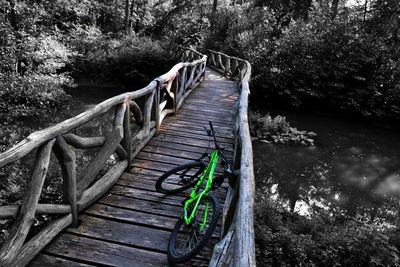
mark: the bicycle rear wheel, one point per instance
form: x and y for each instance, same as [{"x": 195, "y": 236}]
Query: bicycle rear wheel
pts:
[
  {"x": 180, "y": 178},
  {"x": 187, "y": 240}
]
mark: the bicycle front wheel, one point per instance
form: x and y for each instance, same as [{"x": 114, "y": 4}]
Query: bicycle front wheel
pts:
[
  {"x": 187, "y": 240},
  {"x": 180, "y": 178}
]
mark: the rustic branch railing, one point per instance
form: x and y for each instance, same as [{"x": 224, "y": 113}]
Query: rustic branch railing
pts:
[
  {"x": 237, "y": 246},
  {"x": 162, "y": 96}
]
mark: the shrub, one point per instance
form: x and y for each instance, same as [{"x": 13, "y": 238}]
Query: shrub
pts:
[
  {"x": 119, "y": 58},
  {"x": 289, "y": 239},
  {"x": 346, "y": 63}
]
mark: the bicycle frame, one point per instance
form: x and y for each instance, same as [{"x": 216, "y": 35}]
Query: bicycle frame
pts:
[{"x": 195, "y": 196}]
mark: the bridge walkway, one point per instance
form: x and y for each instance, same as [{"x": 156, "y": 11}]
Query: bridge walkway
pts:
[{"x": 131, "y": 224}]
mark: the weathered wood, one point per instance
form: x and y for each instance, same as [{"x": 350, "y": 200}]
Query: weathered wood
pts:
[
  {"x": 67, "y": 160},
  {"x": 102, "y": 185},
  {"x": 157, "y": 107},
  {"x": 229, "y": 209},
  {"x": 102, "y": 253},
  {"x": 175, "y": 89},
  {"x": 84, "y": 142},
  {"x": 35, "y": 139},
  {"x": 223, "y": 250},
  {"x": 97, "y": 163},
  {"x": 244, "y": 250},
  {"x": 227, "y": 66},
  {"x": 147, "y": 111},
  {"x": 109, "y": 254},
  {"x": 138, "y": 204},
  {"x": 142, "y": 143},
  {"x": 39, "y": 241},
  {"x": 245, "y": 246},
  {"x": 183, "y": 81},
  {"x": 130, "y": 147},
  {"x": 20, "y": 230},
  {"x": 137, "y": 113},
  {"x": 7, "y": 212},
  {"x": 47, "y": 260},
  {"x": 91, "y": 142},
  {"x": 127, "y": 139},
  {"x": 127, "y": 234}
]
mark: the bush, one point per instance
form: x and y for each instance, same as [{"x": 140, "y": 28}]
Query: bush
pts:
[
  {"x": 289, "y": 239},
  {"x": 121, "y": 58},
  {"x": 36, "y": 85},
  {"x": 346, "y": 63}
]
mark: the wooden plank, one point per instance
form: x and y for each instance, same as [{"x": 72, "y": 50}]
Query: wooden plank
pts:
[
  {"x": 142, "y": 218},
  {"x": 133, "y": 203},
  {"x": 220, "y": 130},
  {"x": 178, "y": 153},
  {"x": 47, "y": 260},
  {"x": 183, "y": 147},
  {"x": 128, "y": 234},
  {"x": 189, "y": 156},
  {"x": 186, "y": 141},
  {"x": 148, "y": 185},
  {"x": 103, "y": 253},
  {"x": 160, "y": 167},
  {"x": 150, "y": 179},
  {"x": 220, "y": 140},
  {"x": 200, "y": 119},
  {"x": 131, "y": 216}
]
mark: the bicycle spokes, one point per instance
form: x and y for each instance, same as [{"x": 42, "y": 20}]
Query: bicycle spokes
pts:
[{"x": 190, "y": 235}]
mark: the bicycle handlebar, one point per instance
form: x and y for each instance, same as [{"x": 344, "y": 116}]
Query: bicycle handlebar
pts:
[{"x": 224, "y": 160}]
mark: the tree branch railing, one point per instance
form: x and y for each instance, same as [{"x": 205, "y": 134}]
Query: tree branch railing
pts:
[
  {"x": 237, "y": 247},
  {"x": 164, "y": 95}
]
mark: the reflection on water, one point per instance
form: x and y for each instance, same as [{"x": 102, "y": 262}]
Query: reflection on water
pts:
[{"x": 354, "y": 169}]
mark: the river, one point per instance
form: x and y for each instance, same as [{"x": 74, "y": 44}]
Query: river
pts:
[{"x": 354, "y": 168}]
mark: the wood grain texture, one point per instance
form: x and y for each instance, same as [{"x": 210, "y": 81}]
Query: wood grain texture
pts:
[
  {"x": 130, "y": 225},
  {"x": 19, "y": 232},
  {"x": 132, "y": 216},
  {"x": 66, "y": 158},
  {"x": 244, "y": 248}
]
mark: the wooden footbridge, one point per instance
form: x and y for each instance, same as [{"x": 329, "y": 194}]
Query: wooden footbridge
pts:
[{"x": 112, "y": 215}]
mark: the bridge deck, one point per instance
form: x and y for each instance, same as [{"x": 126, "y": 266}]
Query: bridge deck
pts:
[{"x": 131, "y": 225}]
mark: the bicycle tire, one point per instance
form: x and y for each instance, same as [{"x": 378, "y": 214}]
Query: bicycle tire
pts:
[
  {"x": 165, "y": 184},
  {"x": 177, "y": 257}
]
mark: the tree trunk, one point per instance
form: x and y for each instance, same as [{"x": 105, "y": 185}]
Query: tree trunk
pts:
[
  {"x": 127, "y": 28},
  {"x": 334, "y": 9},
  {"x": 215, "y": 6},
  {"x": 365, "y": 9}
]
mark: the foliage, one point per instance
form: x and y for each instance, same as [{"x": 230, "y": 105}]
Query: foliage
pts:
[
  {"x": 118, "y": 59},
  {"x": 277, "y": 130},
  {"x": 288, "y": 239},
  {"x": 344, "y": 61}
]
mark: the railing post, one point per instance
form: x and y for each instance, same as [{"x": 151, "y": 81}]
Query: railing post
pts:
[
  {"x": 227, "y": 67},
  {"x": 66, "y": 158},
  {"x": 127, "y": 139},
  {"x": 157, "y": 106},
  {"x": 175, "y": 91}
]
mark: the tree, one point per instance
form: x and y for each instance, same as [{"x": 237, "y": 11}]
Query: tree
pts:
[{"x": 334, "y": 8}]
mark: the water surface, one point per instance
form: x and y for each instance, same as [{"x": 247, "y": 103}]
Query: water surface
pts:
[{"x": 354, "y": 168}]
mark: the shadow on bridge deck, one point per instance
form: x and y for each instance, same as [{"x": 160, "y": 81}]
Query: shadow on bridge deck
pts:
[{"x": 131, "y": 224}]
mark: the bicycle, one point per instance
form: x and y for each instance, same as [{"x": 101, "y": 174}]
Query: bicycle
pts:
[{"x": 200, "y": 208}]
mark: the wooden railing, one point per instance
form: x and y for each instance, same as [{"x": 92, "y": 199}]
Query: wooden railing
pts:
[
  {"x": 237, "y": 246},
  {"x": 162, "y": 96}
]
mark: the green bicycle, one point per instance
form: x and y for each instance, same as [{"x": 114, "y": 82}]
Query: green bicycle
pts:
[{"x": 200, "y": 209}]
